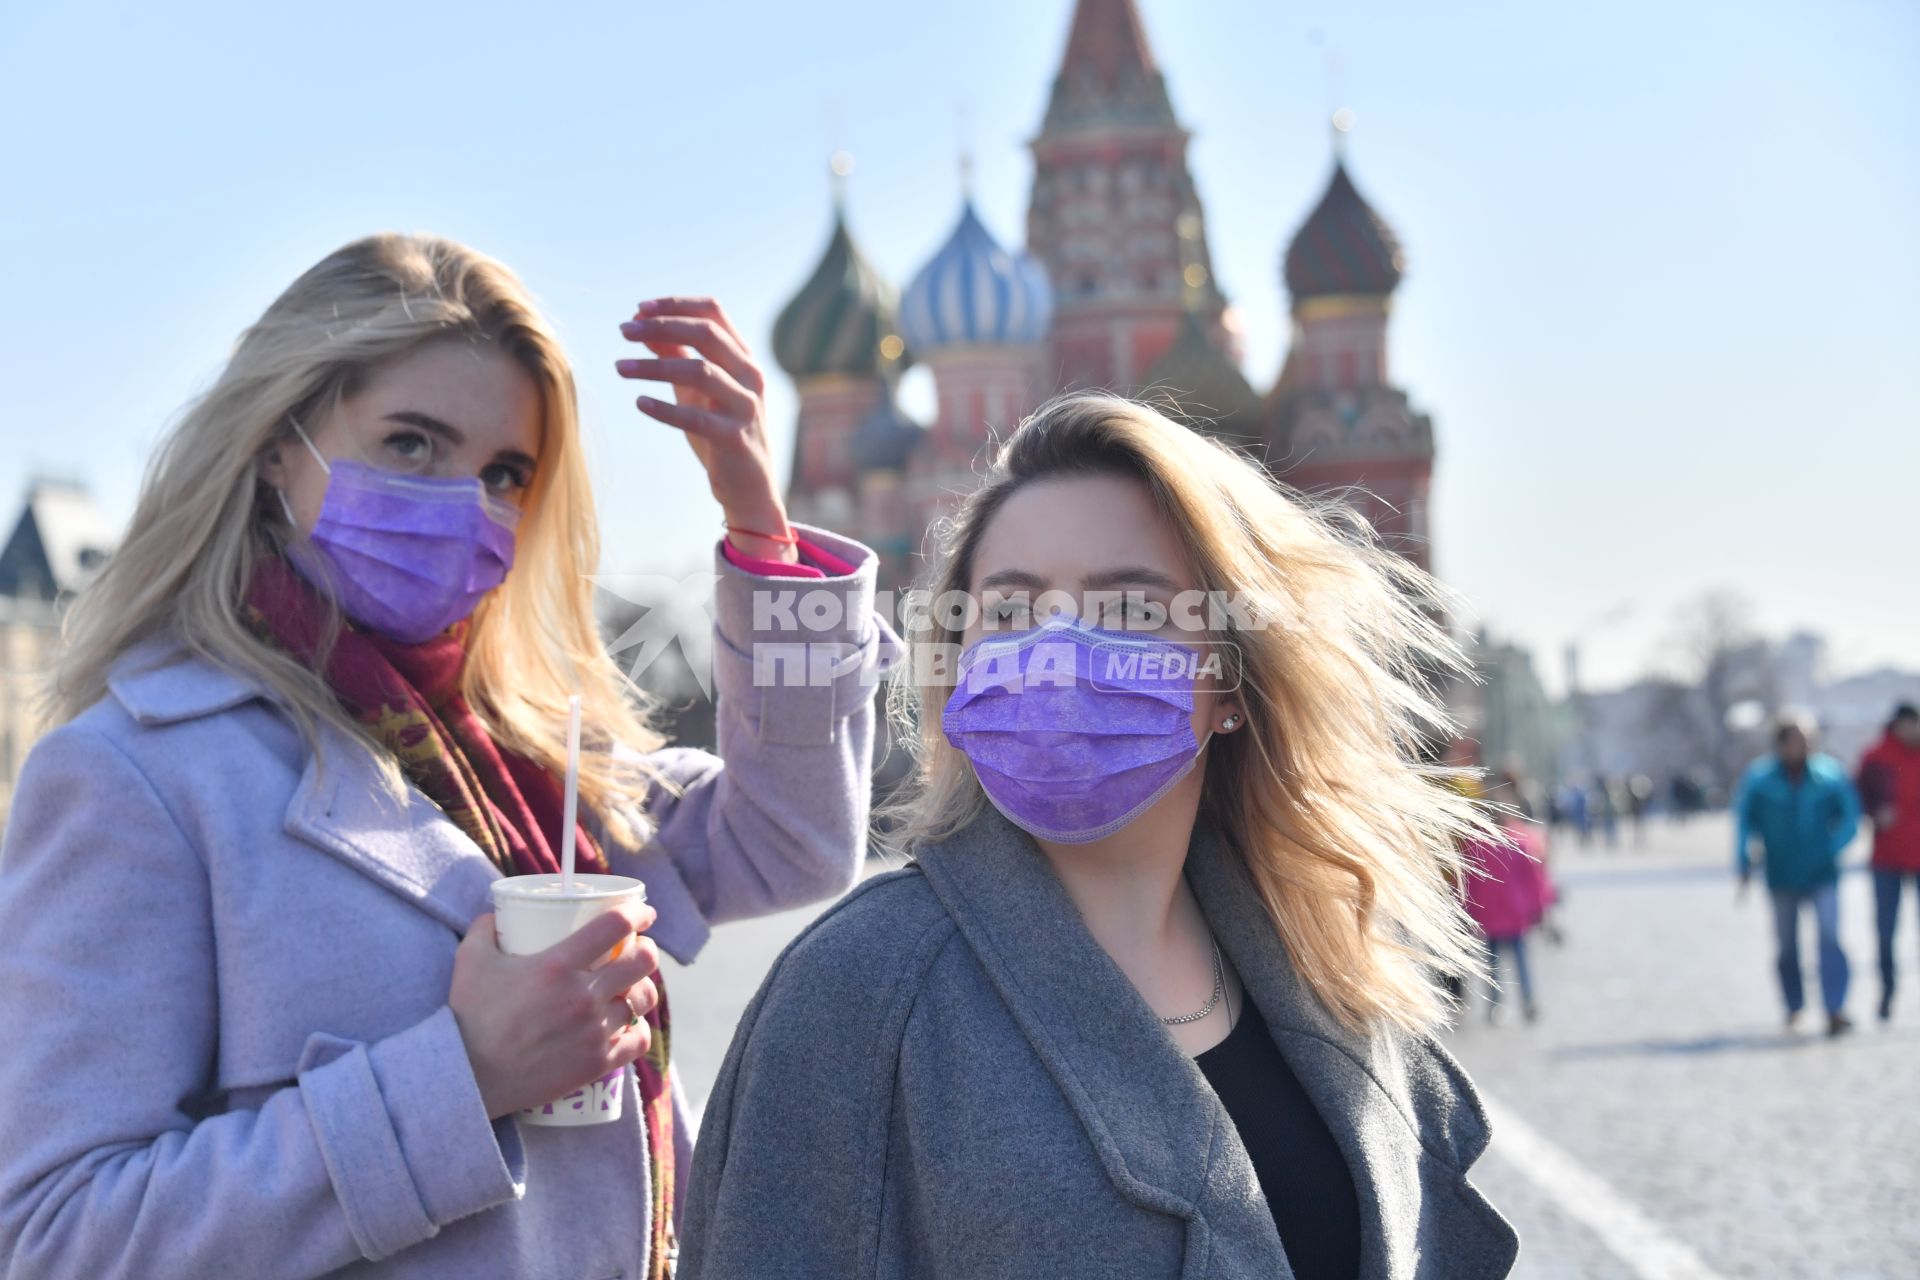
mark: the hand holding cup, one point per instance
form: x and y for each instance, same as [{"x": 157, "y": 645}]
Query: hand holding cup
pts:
[{"x": 538, "y": 1027}]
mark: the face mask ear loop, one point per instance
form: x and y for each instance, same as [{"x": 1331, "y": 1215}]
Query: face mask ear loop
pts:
[
  {"x": 288, "y": 508},
  {"x": 301, "y": 432}
]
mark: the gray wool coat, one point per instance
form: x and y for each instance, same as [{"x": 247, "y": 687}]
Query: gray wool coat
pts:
[{"x": 947, "y": 1076}]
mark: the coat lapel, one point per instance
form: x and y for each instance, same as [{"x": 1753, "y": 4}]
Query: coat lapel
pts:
[
  {"x": 404, "y": 843},
  {"x": 1378, "y": 1094}
]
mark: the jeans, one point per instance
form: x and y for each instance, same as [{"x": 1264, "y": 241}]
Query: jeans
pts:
[
  {"x": 1825, "y": 901},
  {"x": 1886, "y": 918},
  {"x": 1518, "y": 948}
]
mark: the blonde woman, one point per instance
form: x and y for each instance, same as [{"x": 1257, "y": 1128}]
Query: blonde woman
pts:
[
  {"x": 1156, "y": 996},
  {"x": 256, "y": 1019}
]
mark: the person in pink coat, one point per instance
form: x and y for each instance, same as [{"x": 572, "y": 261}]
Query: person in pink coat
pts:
[{"x": 1509, "y": 892}]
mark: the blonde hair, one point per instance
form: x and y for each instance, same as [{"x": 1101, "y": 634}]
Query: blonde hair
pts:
[
  {"x": 205, "y": 518},
  {"x": 1351, "y": 840}
]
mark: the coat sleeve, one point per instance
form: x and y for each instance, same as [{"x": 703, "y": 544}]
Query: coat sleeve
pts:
[
  {"x": 790, "y": 1174},
  {"x": 779, "y": 818},
  {"x": 116, "y": 1159},
  {"x": 1743, "y": 823}
]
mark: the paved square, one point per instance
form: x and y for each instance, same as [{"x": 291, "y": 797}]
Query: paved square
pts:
[{"x": 1671, "y": 1127}]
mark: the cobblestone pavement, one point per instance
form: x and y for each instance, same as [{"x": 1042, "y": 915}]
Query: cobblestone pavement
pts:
[
  {"x": 1661, "y": 1067},
  {"x": 1669, "y": 1127}
]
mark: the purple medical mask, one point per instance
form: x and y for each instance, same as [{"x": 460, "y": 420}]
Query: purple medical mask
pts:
[
  {"x": 1074, "y": 731},
  {"x": 406, "y": 556}
]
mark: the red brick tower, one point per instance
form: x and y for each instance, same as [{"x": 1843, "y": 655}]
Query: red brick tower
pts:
[{"x": 1110, "y": 189}]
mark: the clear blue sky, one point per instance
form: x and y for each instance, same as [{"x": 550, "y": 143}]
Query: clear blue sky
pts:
[{"x": 1663, "y": 298}]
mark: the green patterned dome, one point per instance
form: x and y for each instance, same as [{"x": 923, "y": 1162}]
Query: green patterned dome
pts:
[{"x": 842, "y": 320}]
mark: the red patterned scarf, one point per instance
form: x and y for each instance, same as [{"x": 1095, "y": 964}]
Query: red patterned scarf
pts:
[{"x": 508, "y": 805}]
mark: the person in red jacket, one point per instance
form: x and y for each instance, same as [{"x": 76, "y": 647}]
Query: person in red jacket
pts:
[{"x": 1890, "y": 793}]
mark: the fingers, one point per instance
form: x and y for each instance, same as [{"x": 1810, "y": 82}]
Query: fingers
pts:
[
  {"x": 481, "y": 933},
  {"x": 699, "y": 308},
  {"x": 641, "y": 962},
  {"x": 618, "y": 1012},
  {"x": 692, "y": 419},
  {"x": 584, "y": 947},
  {"x": 704, "y": 336},
  {"x": 630, "y": 1044},
  {"x": 695, "y": 375}
]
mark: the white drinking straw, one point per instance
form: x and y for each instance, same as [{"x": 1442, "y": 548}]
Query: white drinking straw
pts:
[{"x": 573, "y": 793}]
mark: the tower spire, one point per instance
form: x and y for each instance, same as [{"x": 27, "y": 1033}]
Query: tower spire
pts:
[
  {"x": 839, "y": 159},
  {"x": 839, "y": 166},
  {"x": 1114, "y": 214},
  {"x": 966, "y": 151},
  {"x": 1107, "y": 75},
  {"x": 1343, "y": 122}
]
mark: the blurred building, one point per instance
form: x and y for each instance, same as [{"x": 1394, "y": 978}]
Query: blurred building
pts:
[
  {"x": 58, "y": 541},
  {"x": 1115, "y": 290},
  {"x": 1517, "y": 725}
]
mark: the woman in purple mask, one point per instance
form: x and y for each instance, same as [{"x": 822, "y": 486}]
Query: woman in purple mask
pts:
[
  {"x": 255, "y": 1016},
  {"x": 1156, "y": 996}
]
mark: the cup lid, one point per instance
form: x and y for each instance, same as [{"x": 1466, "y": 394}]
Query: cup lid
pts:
[{"x": 587, "y": 887}]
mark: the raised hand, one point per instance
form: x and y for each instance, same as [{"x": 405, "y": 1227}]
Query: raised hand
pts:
[{"x": 719, "y": 404}]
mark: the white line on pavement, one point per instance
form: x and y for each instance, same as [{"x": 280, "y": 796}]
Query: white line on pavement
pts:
[{"x": 1633, "y": 1237}]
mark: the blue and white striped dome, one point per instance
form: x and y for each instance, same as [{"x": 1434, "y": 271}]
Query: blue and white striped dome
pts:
[{"x": 974, "y": 292}]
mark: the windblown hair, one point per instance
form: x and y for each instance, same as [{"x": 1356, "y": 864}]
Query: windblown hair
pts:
[
  {"x": 1350, "y": 834},
  {"x": 205, "y": 518}
]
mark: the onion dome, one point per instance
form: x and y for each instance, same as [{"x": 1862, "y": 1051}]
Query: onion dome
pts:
[
  {"x": 842, "y": 320},
  {"x": 1344, "y": 247},
  {"x": 1210, "y": 392},
  {"x": 975, "y": 292},
  {"x": 886, "y": 437}
]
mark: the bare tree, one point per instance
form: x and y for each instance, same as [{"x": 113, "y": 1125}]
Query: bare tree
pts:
[
  {"x": 1675, "y": 716},
  {"x": 1716, "y": 650}
]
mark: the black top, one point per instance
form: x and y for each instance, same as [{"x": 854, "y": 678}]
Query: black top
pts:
[{"x": 1308, "y": 1186}]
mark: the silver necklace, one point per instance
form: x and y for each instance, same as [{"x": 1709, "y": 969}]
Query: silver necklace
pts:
[{"x": 1219, "y": 987}]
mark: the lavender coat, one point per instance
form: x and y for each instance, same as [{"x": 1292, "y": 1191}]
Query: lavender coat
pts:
[{"x": 224, "y": 974}]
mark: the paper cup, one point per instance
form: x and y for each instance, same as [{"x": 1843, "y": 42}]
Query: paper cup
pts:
[{"x": 530, "y": 915}]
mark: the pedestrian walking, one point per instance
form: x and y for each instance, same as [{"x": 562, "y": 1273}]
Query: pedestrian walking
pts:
[
  {"x": 1578, "y": 811},
  {"x": 255, "y": 1018},
  {"x": 1508, "y": 893},
  {"x": 1639, "y": 801},
  {"x": 1156, "y": 995},
  {"x": 1802, "y": 809},
  {"x": 1889, "y": 782},
  {"x": 1609, "y": 801}
]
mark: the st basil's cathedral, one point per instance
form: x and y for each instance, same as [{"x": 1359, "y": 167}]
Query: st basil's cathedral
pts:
[{"x": 1115, "y": 290}]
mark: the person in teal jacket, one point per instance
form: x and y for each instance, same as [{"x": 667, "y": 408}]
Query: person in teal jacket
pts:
[{"x": 1805, "y": 811}]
